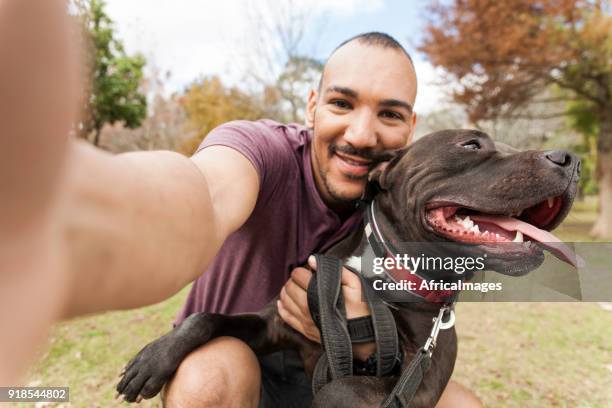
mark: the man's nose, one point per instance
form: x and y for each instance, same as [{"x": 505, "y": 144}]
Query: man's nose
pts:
[{"x": 361, "y": 131}]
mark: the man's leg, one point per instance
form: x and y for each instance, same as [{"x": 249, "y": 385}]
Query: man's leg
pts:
[
  {"x": 223, "y": 373},
  {"x": 456, "y": 395}
]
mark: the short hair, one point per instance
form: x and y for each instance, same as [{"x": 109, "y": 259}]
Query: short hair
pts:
[{"x": 375, "y": 39}]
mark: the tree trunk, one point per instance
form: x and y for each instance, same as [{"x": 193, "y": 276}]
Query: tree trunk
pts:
[
  {"x": 603, "y": 224},
  {"x": 96, "y": 141}
]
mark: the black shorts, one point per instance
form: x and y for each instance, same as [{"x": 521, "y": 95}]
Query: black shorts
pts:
[{"x": 284, "y": 382}]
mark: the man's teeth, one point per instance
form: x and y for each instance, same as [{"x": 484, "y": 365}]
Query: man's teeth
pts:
[{"x": 354, "y": 162}]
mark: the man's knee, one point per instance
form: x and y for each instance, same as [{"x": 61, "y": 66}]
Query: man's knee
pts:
[
  {"x": 222, "y": 373},
  {"x": 456, "y": 395}
]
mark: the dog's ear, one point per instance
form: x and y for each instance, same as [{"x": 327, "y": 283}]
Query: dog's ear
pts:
[{"x": 377, "y": 175}]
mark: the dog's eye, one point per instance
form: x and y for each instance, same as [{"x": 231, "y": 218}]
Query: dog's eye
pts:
[{"x": 471, "y": 145}]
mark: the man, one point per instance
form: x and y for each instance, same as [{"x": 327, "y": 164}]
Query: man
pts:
[
  {"x": 362, "y": 110},
  {"x": 129, "y": 230}
]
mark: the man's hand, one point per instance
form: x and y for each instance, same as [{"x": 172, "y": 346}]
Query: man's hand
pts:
[{"x": 293, "y": 305}]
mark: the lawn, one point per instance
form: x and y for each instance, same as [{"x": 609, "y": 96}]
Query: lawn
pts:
[{"x": 510, "y": 354}]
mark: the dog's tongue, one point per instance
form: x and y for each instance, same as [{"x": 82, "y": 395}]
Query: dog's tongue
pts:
[{"x": 545, "y": 238}]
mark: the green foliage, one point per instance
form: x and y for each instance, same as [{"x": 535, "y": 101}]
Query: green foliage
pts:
[
  {"x": 583, "y": 118},
  {"x": 588, "y": 180},
  {"x": 114, "y": 93}
]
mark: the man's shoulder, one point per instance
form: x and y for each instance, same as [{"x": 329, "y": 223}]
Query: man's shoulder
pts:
[
  {"x": 264, "y": 137},
  {"x": 275, "y": 149},
  {"x": 293, "y": 132}
]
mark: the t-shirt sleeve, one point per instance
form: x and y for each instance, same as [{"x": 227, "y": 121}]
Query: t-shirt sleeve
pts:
[{"x": 263, "y": 145}]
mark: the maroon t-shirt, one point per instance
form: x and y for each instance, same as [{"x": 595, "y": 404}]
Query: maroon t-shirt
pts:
[{"x": 290, "y": 221}]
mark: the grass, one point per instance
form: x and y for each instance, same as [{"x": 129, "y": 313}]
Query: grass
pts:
[{"x": 510, "y": 354}]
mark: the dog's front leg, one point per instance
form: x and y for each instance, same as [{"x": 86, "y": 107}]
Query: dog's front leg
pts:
[{"x": 157, "y": 362}]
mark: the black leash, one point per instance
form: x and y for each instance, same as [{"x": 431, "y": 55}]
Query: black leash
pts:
[
  {"x": 327, "y": 308},
  {"x": 337, "y": 334}
]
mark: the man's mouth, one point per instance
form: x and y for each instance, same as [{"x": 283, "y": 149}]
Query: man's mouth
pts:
[
  {"x": 521, "y": 230},
  {"x": 352, "y": 166}
]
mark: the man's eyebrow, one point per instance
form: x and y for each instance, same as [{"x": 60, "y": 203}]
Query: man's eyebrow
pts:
[
  {"x": 396, "y": 103},
  {"x": 343, "y": 90},
  {"x": 389, "y": 103}
]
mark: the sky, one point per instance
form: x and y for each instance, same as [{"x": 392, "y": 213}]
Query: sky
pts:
[{"x": 196, "y": 38}]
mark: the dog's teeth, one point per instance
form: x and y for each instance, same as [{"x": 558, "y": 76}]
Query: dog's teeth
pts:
[
  {"x": 551, "y": 201},
  {"x": 463, "y": 222},
  {"x": 497, "y": 236},
  {"x": 518, "y": 237},
  {"x": 468, "y": 222},
  {"x": 518, "y": 214}
]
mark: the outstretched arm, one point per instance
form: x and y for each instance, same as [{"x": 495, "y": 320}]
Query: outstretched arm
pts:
[
  {"x": 83, "y": 231},
  {"x": 141, "y": 226}
]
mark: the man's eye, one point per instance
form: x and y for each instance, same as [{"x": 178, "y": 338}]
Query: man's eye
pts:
[
  {"x": 391, "y": 115},
  {"x": 341, "y": 103}
]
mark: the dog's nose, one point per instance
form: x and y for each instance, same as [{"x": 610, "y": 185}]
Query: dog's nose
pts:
[{"x": 559, "y": 157}]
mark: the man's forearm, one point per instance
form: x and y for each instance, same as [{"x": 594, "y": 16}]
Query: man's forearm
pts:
[{"x": 139, "y": 227}]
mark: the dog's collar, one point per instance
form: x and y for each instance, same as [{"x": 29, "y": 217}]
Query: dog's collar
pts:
[{"x": 378, "y": 246}]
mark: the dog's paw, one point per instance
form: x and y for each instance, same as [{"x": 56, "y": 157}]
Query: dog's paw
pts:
[{"x": 145, "y": 375}]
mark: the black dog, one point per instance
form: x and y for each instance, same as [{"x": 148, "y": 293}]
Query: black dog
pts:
[{"x": 451, "y": 186}]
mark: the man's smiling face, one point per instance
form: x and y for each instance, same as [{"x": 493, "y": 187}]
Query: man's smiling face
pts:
[{"x": 361, "y": 112}]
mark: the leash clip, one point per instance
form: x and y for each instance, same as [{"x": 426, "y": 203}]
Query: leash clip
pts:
[{"x": 439, "y": 324}]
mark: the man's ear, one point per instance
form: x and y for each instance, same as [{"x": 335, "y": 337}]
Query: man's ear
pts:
[
  {"x": 311, "y": 106},
  {"x": 412, "y": 127}
]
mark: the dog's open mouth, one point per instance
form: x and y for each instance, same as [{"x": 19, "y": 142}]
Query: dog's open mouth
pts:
[{"x": 523, "y": 231}]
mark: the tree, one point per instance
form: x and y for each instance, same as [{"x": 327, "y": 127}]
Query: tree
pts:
[
  {"x": 166, "y": 126},
  {"x": 278, "y": 54},
  {"x": 299, "y": 76},
  {"x": 113, "y": 92},
  {"x": 504, "y": 55},
  {"x": 209, "y": 103}
]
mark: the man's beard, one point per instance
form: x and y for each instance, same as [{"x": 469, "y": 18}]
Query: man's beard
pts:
[{"x": 366, "y": 154}]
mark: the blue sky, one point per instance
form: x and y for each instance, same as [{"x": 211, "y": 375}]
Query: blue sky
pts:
[{"x": 401, "y": 19}]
